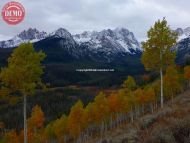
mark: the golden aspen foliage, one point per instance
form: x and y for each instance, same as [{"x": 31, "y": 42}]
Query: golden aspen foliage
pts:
[
  {"x": 157, "y": 52},
  {"x": 37, "y": 118},
  {"x": 129, "y": 83},
  {"x": 11, "y": 137},
  {"x": 101, "y": 108},
  {"x": 24, "y": 69},
  {"x": 172, "y": 81},
  {"x": 187, "y": 72},
  {"x": 60, "y": 128},
  {"x": 76, "y": 120}
]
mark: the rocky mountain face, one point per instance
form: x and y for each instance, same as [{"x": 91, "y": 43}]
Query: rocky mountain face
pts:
[
  {"x": 116, "y": 49},
  {"x": 110, "y": 41},
  {"x": 183, "y": 33},
  {"x": 30, "y": 35},
  {"x": 183, "y": 46},
  {"x": 106, "y": 44}
]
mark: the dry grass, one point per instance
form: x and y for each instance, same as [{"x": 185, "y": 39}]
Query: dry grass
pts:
[{"x": 168, "y": 125}]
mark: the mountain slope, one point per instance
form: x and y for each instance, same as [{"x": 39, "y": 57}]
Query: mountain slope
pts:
[
  {"x": 66, "y": 54},
  {"x": 168, "y": 125},
  {"x": 183, "y": 33},
  {"x": 30, "y": 35},
  {"x": 120, "y": 39},
  {"x": 183, "y": 46}
]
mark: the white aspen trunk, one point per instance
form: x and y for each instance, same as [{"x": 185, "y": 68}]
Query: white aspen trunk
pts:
[
  {"x": 142, "y": 109},
  {"x": 65, "y": 138},
  {"x": 135, "y": 112},
  {"x": 111, "y": 122},
  {"x": 152, "y": 107},
  {"x": 101, "y": 130},
  {"x": 172, "y": 98},
  {"x": 25, "y": 119},
  {"x": 161, "y": 91},
  {"x": 161, "y": 82},
  {"x": 132, "y": 114}
]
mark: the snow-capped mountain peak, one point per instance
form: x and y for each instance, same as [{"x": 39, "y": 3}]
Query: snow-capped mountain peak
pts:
[
  {"x": 108, "y": 41},
  {"x": 61, "y": 33},
  {"x": 186, "y": 31},
  {"x": 117, "y": 40},
  {"x": 30, "y": 35},
  {"x": 183, "y": 33}
]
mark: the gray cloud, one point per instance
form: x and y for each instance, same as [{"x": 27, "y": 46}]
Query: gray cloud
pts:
[{"x": 81, "y": 15}]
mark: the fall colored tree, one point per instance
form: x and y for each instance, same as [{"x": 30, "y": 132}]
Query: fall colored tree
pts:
[
  {"x": 37, "y": 118},
  {"x": 76, "y": 120},
  {"x": 129, "y": 83},
  {"x": 49, "y": 132},
  {"x": 101, "y": 112},
  {"x": 146, "y": 78},
  {"x": 89, "y": 116},
  {"x": 23, "y": 74},
  {"x": 157, "y": 53},
  {"x": 11, "y": 137},
  {"x": 187, "y": 73},
  {"x": 140, "y": 99},
  {"x": 114, "y": 103},
  {"x": 128, "y": 86},
  {"x": 60, "y": 128},
  {"x": 101, "y": 108},
  {"x": 30, "y": 136},
  {"x": 172, "y": 81},
  {"x": 150, "y": 97}
]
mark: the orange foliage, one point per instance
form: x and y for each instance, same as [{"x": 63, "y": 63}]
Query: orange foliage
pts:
[
  {"x": 146, "y": 78},
  {"x": 37, "y": 118},
  {"x": 187, "y": 72},
  {"x": 30, "y": 136},
  {"x": 113, "y": 103},
  {"x": 101, "y": 109},
  {"x": 60, "y": 128},
  {"x": 140, "y": 97},
  {"x": 150, "y": 95},
  {"x": 12, "y": 137},
  {"x": 76, "y": 120}
]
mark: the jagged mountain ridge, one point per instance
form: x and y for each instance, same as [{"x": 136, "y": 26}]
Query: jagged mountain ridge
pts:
[
  {"x": 65, "y": 55},
  {"x": 30, "y": 35},
  {"x": 183, "y": 46},
  {"x": 183, "y": 33},
  {"x": 106, "y": 45},
  {"x": 109, "y": 42},
  {"x": 120, "y": 39}
]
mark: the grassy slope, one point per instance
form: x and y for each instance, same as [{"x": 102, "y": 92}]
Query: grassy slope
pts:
[{"x": 168, "y": 125}]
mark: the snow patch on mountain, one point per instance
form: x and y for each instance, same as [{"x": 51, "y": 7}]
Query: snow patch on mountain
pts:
[
  {"x": 30, "y": 35},
  {"x": 61, "y": 33},
  {"x": 183, "y": 33},
  {"x": 119, "y": 39}
]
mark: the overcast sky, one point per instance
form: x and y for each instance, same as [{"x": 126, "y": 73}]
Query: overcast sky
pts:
[{"x": 87, "y": 15}]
